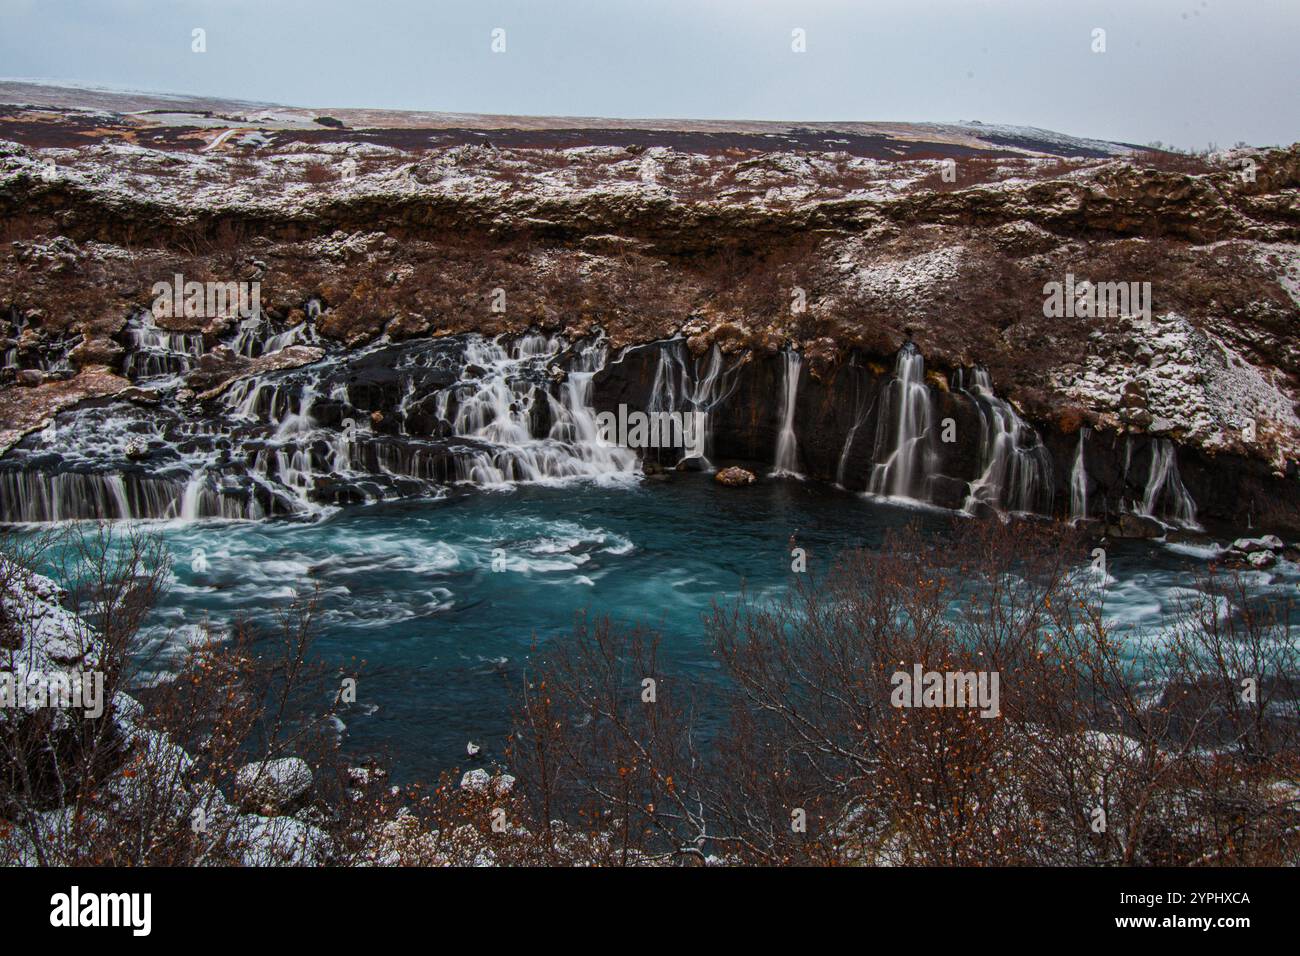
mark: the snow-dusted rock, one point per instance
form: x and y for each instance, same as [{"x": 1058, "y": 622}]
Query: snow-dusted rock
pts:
[
  {"x": 1268, "y": 542},
  {"x": 51, "y": 831},
  {"x": 277, "y": 841},
  {"x": 127, "y": 711},
  {"x": 480, "y": 781},
  {"x": 1115, "y": 746},
  {"x": 275, "y": 783},
  {"x": 43, "y": 645},
  {"x": 360, "y": 777},
  {"x": 476, "y": 781},
  {"x": 1261, "y": 559}
]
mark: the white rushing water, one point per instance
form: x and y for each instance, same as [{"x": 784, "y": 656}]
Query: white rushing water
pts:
[
  {"x": 1079, "y": 480},
  {"x": 497, "y": 404},
  {"x": 400, "y": 420},
  {"x": 698, "y": 384},
  {"x": 1016, "y": 467},
  {"x": 295, "y": 442},
  {"x": 155, "y": 353},
  {"x": 787, "y": 443},
  {"x": 1166, "y": 498},
  {"x": 904, "y": 453}
]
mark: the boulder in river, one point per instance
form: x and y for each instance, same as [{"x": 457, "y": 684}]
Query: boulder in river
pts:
[
  {"x": 734, "y": 477},
  {"x": 1137, "y": 526},
  {"x": 1269, "y": 542}
]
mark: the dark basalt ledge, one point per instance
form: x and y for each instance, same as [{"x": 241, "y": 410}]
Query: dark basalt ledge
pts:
[
  {"x": 407, "y": 446},
  {"x": 1230, "y": 490}
]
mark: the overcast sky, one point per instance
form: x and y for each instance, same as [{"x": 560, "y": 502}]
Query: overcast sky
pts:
[{"x": 1187, "y": 72}]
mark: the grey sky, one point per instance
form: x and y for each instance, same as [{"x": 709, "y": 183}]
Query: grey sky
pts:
[{"x": 1182, "y": 71}]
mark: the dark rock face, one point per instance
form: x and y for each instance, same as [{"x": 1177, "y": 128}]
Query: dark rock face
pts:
[
  {"x": 837, "y": 423},
  {"x": 1229, "y": 489}
]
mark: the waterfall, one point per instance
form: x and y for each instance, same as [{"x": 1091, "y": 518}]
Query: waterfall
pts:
[
  {"x": 1016, "y": 467},
  {"x": 388, "y": 421},
  {"x": 903, "y": 453},
  {"x": 1079, "y": 481},
  {"x": 257, "y": 335},
  {"x": 1166, "y": 497},
  {"x": 787, "y": 444},
  {"x": 156, "y": 353},
  {"x": 685, "y": 385},
  {"x": 499, "y": 399},
  {"x": 71, "y": 496}
]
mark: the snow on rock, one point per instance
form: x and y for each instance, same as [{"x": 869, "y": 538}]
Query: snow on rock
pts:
[
  {"x": 277, "y": 841},
  {"x": 480, "y": 781},
  {"x": 275, "y": 783},
  {"x": 1196, "y": 389},
  {"x": 903, "y": 281},
  {"x": 127, "y": 711},
  {"x": 41, "y": 641},
  {"x": 38, "y": 636},
  {"x": 1269, "y": 542},
  {"x": 1285, "y": 258},
  {"x": 1117, "y": 747},
  {"x": 56, "y": 833},
  {"x": 154, "y": 778}
]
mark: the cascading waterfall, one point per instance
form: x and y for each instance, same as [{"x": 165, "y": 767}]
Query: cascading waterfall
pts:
[
  {"x": 685, "y": 386},
  {"x": 497, "y": 404},
  {"x": 389, "y": 421},
  {"x": 409, "y": 419},
  {"x": 84, "y": 466},
  {"x": 1079, "y": 481},
  {"x": 903, "y": 453},
  {"x": 787, "y": 443},
  {"x": 70, "y": 496},
  {"x": 53, "y": 355},
  {"x": 156, "y": 353},
  {"x": 1166, "y": 497},
  {"x": 1016, "y": 467},
  {"x": 256, "y": 335}
]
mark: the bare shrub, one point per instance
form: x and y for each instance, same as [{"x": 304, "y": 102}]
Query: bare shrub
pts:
[
  {"x": 158, "y": 782},
  {"x": 1095, "y": 747},
  {"x": 1100, "y": 753}
]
